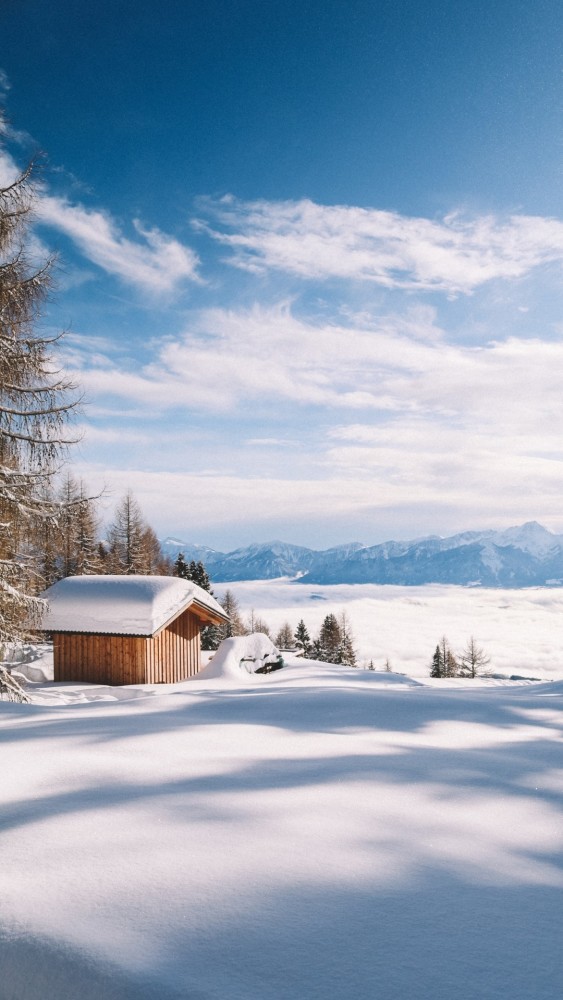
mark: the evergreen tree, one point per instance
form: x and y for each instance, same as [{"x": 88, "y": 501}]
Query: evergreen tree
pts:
[
  {"x": 437, "y": 666},
  {"x": 200, "y": 576},
  {"x": 211, "y": 635},
  {"x": 347, "y": 653},
  {"x": 194, "y": 571},
  {"x": 444, "y": 663},
  {"x": 181, "y": 567},
  {"x": 303, "y": 639},
  {"x": 330, "y": 640},
  {"x": 316, "y": 650}
]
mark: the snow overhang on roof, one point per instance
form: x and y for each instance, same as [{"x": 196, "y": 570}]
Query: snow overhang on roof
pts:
[{"x": 124, "y": 605}]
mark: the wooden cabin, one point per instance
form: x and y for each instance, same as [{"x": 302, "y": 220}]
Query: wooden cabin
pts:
[{"x": 128, "y": 629}]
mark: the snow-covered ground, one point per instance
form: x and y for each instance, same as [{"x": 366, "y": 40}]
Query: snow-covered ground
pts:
[
  {"x": 521, "y": 630},
  {"x": 316, "y": 833}
]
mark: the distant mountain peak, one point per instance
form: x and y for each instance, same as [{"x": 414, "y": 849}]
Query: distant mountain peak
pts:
[{"x": 519, "y": 556}]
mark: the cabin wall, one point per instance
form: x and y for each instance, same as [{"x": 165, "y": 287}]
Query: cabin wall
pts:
[
  {"x": 99, "y": 659},
  {"x": 169, "y": 656},
  {"x": 174, "y": 653}
]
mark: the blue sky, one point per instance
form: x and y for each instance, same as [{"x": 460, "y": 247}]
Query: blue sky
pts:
[{"x": 310, "y": 257}]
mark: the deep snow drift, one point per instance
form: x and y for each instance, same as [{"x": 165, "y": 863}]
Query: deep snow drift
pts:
[{"x": 313, "y": 833}]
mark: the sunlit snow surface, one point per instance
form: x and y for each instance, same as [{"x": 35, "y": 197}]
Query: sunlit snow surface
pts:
[{"x": 316, "y": 833}]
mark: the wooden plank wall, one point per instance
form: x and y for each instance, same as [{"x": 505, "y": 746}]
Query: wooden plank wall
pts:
[
  {"x": 99, "y": 659},
  {"x": 174, "y": 653},
  {"x": 171, "y": 655}
]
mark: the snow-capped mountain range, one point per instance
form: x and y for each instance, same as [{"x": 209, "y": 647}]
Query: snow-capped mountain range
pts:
[{"x": 523, "y": 556}]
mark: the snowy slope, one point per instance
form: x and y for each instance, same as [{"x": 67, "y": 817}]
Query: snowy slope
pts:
[{"x": 313, "y": 833}]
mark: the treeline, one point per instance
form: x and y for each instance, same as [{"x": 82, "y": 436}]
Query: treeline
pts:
[
  {"x": 72, "y": 543},
  {"x": 469, "y": 663}
]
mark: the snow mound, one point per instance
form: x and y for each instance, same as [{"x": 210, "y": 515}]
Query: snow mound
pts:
[
  {"x": 30, "y": 662},
  {"x": 240, "y": 656},
  {"x": 39, "y": 674}
]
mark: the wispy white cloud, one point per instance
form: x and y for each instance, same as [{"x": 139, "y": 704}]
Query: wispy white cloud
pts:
[
  {"x": 455, "y": 254},
  {"x": 155, "y": 262},
  {"x": 259, "y": 355},
  {"x": 178, "y": 499},
  {"x": 388, "y": 418},
  {"x": 227, "y": 358},
  {"x": 5, "y": 84}
]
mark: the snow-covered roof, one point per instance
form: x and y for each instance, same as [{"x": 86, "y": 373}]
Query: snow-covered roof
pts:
[{"x": 123, "y": 605}]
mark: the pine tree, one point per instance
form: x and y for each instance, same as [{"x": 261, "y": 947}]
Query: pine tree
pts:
[
  {"x": 437, "y": 666},
  {"x": 35, "y": 407},
  {"x": 316, "y": 650},
  {"x": 194, "y": 571},
  {"x": 330, "y": 640},
  {"x": 211, "y": 635},
  {"x": 444, "y": 663},
  {"x": 200, "y": 576},
  {"x": 303, "y": 639},
  {"x": 181, "y": 567}
]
